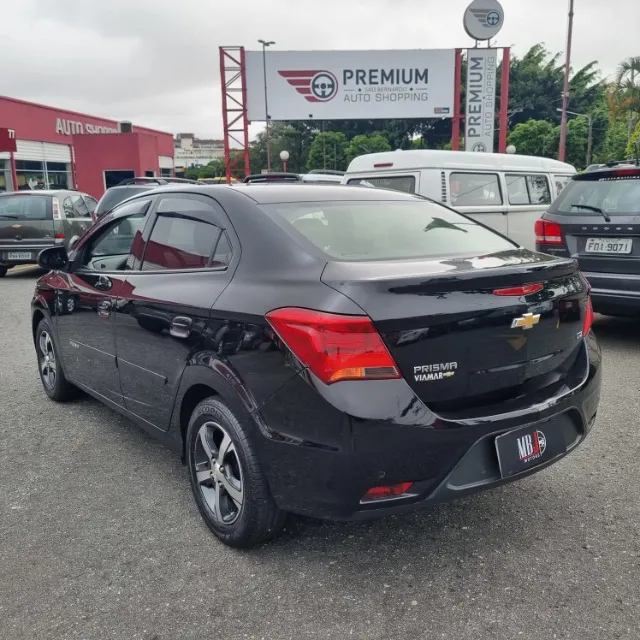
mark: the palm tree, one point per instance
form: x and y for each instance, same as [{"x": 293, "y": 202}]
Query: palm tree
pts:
[{"x": 628, "y": 85}]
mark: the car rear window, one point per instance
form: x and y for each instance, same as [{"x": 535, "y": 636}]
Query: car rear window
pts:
[
  {"x": 395, "y": 183},
  {"x": 615, "y": 195},
  {"x": 25, "y": 207},
  {"x": 388, "y": 230},
  {"x": 117, "y": 195}
]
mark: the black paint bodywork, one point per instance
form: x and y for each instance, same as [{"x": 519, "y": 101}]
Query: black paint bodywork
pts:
[{"x": 322, "y": 447}]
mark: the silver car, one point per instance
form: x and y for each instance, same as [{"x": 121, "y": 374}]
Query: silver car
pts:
[{"x": 31, "y": 221}]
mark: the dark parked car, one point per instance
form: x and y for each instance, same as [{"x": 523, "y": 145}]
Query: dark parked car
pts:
[
  {"x": 132, "y": 187},
  {"x": 34, "y": 220},
  {"x": 338, "y": 352},
  {"x": 596, "y": 220}
]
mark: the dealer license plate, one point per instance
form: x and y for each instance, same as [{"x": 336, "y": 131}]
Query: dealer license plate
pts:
[
  {"x": 527, "y": 447},
  {"x": 609, "y": 245},
  {"x": 19, "y": 255}
]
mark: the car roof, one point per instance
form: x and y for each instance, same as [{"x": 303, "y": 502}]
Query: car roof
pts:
[
  {"x": 42, "y": 192},
  {"x": 436, "y": 159},
  {"x": 310, "y": 192}
]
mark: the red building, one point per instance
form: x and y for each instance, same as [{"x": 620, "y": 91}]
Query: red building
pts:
[{"x": 61, "y": 149}]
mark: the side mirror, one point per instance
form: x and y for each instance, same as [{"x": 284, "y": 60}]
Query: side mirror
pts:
[
  {"x": 53, "y": 258},
  {"x": 72, "y": 242}
]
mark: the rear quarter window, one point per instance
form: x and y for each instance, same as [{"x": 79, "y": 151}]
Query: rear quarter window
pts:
[{"x": 388, "y": 230}]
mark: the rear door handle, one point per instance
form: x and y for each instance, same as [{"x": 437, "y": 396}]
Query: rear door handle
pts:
[{"x": 180, "y": 327}]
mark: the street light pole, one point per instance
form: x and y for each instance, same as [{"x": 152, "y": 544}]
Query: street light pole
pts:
[
  {"x": 265, "y": 44},
  {"x": 565, "y": 96},
  {"x": 590, "y": 138}
]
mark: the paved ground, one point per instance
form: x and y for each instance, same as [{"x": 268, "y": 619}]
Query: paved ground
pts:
[{"x": 99, "y": 537}]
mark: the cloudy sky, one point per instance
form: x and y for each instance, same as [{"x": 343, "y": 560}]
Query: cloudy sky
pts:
[{"x": 155, "y": 62}]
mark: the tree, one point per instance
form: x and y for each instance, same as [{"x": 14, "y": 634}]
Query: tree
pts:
[
  {"x": 628, "y": 86},
  {"x": 363, "y": 144},
  {"x": 328, "y": 151},
  {"x": 534, "y": 138}
]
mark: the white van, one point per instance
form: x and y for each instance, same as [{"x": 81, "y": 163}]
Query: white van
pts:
[{"x": 506, "y": 192}]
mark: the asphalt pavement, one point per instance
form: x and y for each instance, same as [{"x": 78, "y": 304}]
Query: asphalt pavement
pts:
[{"x": 100, "y": 538}]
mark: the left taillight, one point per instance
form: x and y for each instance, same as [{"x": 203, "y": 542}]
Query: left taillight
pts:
[{"x": 334, "y": 347}]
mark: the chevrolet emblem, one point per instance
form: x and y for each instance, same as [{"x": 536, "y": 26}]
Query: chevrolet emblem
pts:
[
  {"x": 16, "y": 226},
  {"x": 527, "y": 321}
]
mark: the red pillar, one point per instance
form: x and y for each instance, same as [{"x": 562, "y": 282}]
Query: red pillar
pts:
[
  {"x": 457, "y": 100},
  {"x": 14, "y": 174},
  {"x": 504, "y": 99}
]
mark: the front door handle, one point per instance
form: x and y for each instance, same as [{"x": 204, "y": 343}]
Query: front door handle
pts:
[
  {"x": 103, "y": 283},
  {"x": 180, "y": 327}
]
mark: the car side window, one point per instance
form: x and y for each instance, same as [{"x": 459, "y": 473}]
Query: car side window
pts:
[
  {"x": 184, "y": 236},
  {"x": 517, "y": 189},
  {"x": 475, "y": 189},
  {"x": 113, "y": 246},
  {"x": 539, "y": 190},
  {"x": 79, "y": 207},
  {"x": 67, "y": 207},
  {"x": 91, "y": 204}
]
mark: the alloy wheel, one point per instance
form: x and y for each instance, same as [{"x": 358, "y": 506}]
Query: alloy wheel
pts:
[
  {"x": 47, "y": 360},
  {"x": 218, "y": 473}
]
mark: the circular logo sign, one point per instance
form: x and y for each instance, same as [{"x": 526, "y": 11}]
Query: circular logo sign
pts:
[
  {"x": 483, "y": 19},
  {"x": 479, "y": 147},
  {"x": 324, "y": 86}
]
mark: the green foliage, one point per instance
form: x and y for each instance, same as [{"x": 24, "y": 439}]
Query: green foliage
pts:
[
  {"x": 328, "y": 151},
  {"x": 534, "y": 138},
  {"x": 633, "y": 147},
  {"x": 371, "y": 143}
]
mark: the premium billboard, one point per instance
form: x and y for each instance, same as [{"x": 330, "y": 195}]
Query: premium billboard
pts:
[
  {"x": 482, "y": 70},
  {"x": 345, "y": 85}
]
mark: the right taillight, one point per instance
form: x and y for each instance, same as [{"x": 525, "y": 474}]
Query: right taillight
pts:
[
  {"x": 588, "y": 317},
  {"x": 334, "y": 347},
  {"x": 548, "y": 232}
]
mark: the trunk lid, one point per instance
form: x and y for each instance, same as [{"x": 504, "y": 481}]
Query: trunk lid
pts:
[
  {"x": 463, "y": 349},
  {"x": 26, "y": 221}
]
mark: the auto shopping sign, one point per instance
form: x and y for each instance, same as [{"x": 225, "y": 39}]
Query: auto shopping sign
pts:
[{"x": 342, "y": 85}]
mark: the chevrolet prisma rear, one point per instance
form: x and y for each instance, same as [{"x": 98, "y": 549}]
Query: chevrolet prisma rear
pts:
[{"x": 465, "y": 361}]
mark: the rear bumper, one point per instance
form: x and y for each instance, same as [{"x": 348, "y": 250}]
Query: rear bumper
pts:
[
  {"x": 444, "y": 460},
  {"x": 614, "y": 293}
]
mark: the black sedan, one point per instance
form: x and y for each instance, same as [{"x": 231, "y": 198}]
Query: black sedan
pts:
[{"x": 339, "y": 352}]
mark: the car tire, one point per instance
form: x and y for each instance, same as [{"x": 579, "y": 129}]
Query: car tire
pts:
[
  {"x": 3, "y": 271},
  {"x": 228, "y": 484},
  {"x": 54, "y": 382}
]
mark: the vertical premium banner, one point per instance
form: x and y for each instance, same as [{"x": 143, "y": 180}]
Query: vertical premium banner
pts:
[{"x": 482, "y": 72}]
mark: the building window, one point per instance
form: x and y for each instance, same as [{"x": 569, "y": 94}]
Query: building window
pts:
[
  {"x": 58, "y": 175},
  {"x": 34, "y": 175},
  {"x": 5, "y": 175},
  {"x": 30, "y": 175},
  {"x": 165, "y": 173},
  {"x": 113, "y": 178}
]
